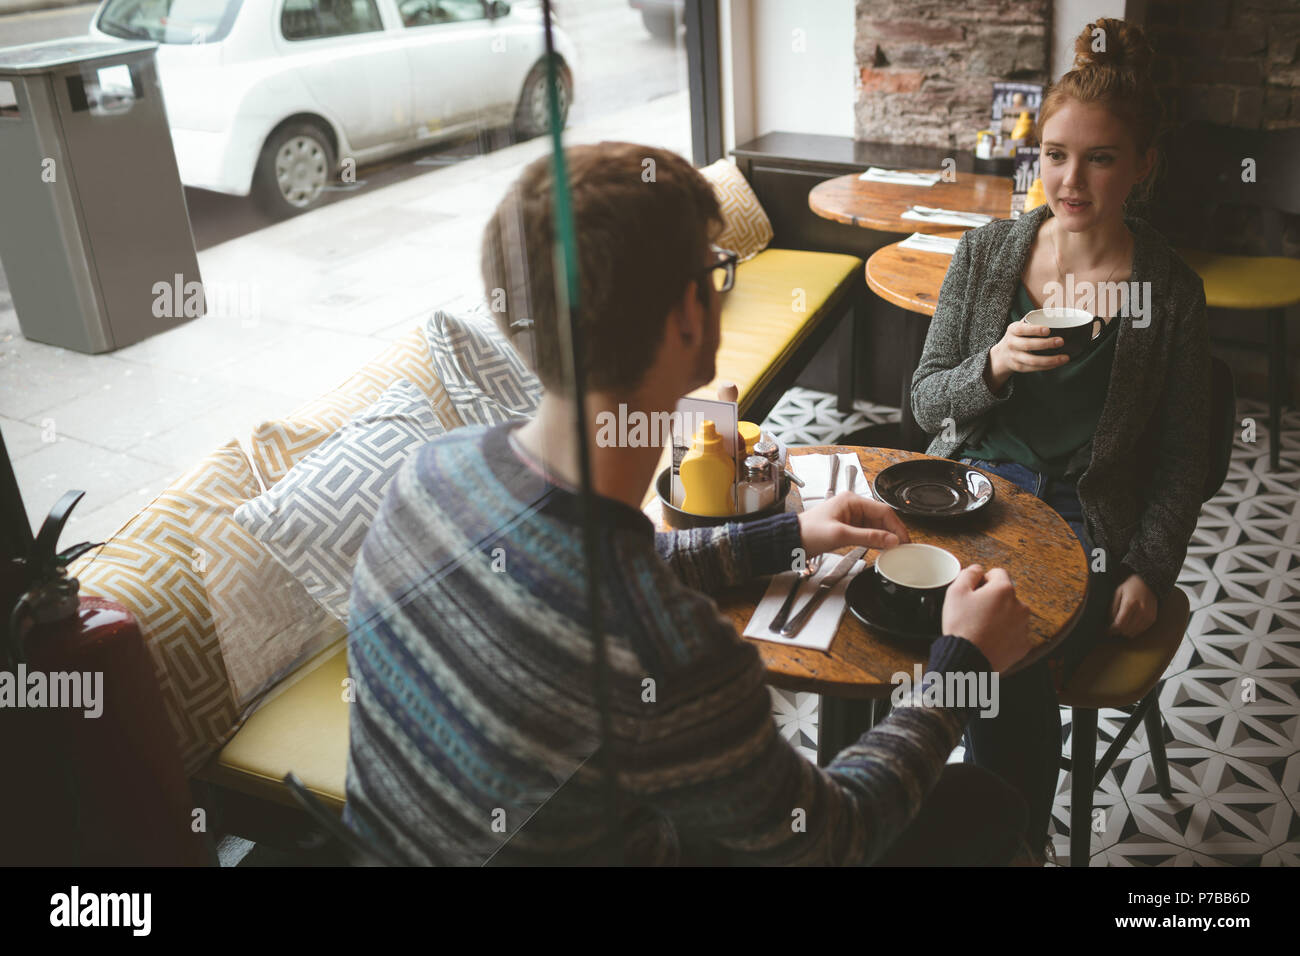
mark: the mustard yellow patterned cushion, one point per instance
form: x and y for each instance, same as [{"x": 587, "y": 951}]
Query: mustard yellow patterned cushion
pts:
[
  {"x": 222, "y": 620},
  {"x": 152, "y": 567},
  {"x": 747, "y": 229},
  {"x": 280, "y": 444}
]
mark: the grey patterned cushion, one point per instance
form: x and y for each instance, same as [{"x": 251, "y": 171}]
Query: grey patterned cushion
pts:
[
  {"x": 486, "y": 380},
  {"x": 314, "y": 519}
]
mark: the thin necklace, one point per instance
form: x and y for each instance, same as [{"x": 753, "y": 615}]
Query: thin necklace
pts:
[{"x": 1060, "y": 273}]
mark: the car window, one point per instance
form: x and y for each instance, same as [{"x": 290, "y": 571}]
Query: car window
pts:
[
  {"x": 169, "y": 21},
  {"x": 311, "y": 19},
  {"x": 419, "y": 13}
]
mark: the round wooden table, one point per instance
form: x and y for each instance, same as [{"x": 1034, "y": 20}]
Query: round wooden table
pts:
[
  {"x": 908, "y": 278},
  {"x": 850, "y": 200},
  {"x": 1017, "y": 531}
]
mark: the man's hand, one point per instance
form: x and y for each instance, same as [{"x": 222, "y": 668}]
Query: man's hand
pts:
[
  {"x": 849, "y": 520},
  {"x": 984, "y": 609},
  {"x": 1133, "y": 609}
]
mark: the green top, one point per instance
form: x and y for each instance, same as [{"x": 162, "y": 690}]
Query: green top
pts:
[{"x": 1052, "y": 413}]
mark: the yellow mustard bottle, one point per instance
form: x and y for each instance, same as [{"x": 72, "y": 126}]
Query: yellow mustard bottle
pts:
[
  {"x": 1024, "y": 126},
  {"x": 1035, "y": 197},
  {"x": 708, "y": 474}
]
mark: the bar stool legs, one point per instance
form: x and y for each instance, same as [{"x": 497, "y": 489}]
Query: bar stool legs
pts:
[
  {"x": 1156, "y": 739},
  {"x": 1278, "y": 386},
  {"x": 1086, "y": 770},
  {"x": 1083, "y": 765}
]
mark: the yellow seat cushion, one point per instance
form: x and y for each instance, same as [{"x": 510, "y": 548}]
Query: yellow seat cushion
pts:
[
  {"x": 777, "y": 300},
  {"x": 1120, "y": 672},
  {"x": 1246, "y": 282},
  {"x": 303, "y": 728}
]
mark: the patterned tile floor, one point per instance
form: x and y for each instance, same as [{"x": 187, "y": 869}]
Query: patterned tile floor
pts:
[{"x": 1231, "y": 697}]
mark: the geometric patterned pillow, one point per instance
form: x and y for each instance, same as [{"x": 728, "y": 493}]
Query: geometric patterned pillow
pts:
[
  {"x": 314, "y": 519},
  {"x": 151, "y": 565},
  {"x": 486, "y": 380},
  {"x": 266, "y": 621},
  {"x": 280, "y": 444},
  {"x": 746, "y": 228}
]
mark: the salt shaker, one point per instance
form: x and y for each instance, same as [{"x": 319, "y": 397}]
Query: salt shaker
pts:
[{"x": 756, "y": 490}]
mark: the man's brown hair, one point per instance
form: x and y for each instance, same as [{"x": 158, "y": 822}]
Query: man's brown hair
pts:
[{"x": 643, "y": 219}]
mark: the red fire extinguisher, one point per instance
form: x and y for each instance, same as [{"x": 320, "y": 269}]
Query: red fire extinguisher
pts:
[{"x": 93, "y": 773}]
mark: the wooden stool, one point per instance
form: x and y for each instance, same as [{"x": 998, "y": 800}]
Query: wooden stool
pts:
[
  {"x": 1269, "y": 284},
  {"x": 1124, "y": 673},
  {"x": 1119, "y": 673}
]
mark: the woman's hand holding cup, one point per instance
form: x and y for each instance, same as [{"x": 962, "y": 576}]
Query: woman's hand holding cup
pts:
[{"x": 1017, "y": 352}]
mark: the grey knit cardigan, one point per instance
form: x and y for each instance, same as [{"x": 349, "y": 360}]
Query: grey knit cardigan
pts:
[{"x": 1143, "y": 473}]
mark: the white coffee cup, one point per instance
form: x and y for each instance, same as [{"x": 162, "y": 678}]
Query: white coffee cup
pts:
[{"x": 914, "y": 579}]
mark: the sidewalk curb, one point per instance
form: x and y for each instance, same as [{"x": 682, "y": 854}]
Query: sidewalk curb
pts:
[{"x": 8, "y": 7}]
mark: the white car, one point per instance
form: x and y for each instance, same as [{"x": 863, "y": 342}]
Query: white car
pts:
[{"x": 273, "y": 97}]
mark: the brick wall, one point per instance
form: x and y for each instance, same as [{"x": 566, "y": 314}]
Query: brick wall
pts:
[
  {"x": 1231, "y": 62},
  {"x": 926, "y": 67}
]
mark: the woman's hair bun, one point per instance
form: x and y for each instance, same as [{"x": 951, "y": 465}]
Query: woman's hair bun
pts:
[{"x": 1113, "y": 44}]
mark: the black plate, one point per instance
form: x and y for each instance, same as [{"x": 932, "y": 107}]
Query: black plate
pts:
[
  {"x": 863, "y": 597},
  {"x": 934, "y": 488}
]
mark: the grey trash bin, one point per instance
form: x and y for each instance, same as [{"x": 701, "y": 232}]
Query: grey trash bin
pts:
[{"x": 93, "y": 224}]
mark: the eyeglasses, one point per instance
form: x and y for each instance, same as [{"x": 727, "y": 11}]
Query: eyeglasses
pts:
[{"x": 726, "y": 278}]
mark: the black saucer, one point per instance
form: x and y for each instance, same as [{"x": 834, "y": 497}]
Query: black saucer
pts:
[
  {"x": 864, "y": 600},
  {"x": 933, "y": 488}
]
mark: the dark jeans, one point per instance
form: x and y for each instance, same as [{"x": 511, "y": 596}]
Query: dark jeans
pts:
[{"x": 1022, "y": 744}]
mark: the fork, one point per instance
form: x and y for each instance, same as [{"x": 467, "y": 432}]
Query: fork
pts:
[{"x": 809, "y": 569}]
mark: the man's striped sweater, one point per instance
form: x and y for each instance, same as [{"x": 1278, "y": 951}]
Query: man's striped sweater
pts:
[{"x": 475, "y": 720}]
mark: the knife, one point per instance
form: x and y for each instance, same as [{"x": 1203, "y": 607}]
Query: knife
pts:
[
  {"x": 823, "y": 588},
  {"x": 958, "y": 213},
  {"x": 835, "y": 472}
]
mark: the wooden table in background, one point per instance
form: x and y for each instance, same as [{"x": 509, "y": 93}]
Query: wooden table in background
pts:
[
  {"x": 911, "y": 280},
  {"x": 1017, "y": 531},
  {"x": 852, "y": 201},
  {"x": 908, "y": 278}
]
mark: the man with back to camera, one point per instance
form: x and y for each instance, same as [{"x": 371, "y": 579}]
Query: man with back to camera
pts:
[{"x": 475, "y": 722}]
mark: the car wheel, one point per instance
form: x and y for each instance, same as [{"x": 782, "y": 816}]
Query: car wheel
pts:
[
  {"x": 662, "y": 24},
  {"x": 531, "y": 116},
  {"x": 296, "y": 165}
]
